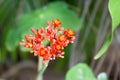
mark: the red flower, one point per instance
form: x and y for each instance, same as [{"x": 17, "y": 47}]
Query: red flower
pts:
[
  {"x": 68, "y": 32},
  {"x": 57, "y": 37},
  {"x": 56, "y": 23}
]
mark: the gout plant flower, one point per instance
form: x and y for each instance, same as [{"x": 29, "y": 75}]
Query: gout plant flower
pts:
[{"x": 57, "y": 37}]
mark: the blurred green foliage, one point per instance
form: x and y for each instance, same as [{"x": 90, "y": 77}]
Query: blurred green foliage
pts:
[
  {"x": 81, "y": 71},
  {"x": 115, "y": 15},
  {"x": 37, "y": 18},
  {"x": 7, "y": 13}
]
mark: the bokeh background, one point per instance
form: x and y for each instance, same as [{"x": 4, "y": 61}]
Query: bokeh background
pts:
[{"x": 91, "y": 21}]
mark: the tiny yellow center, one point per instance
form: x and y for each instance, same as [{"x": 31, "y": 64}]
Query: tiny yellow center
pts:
[
  {"x": 57, "y": 22},
  {"x": 70, "y": 32},
  {"x": 39, "y": 32},
  {"x": 42, "y": 52},
  {"x": 62, "y": 38},
  {"x": 57, "y": 47}
]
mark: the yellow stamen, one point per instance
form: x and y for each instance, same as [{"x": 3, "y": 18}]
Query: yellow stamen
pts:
[
  {"x": 62, "y": 38},
  {"x": 58, "y": 47},
  {"x": 42, "y": 52},
  {"x": 57, "y": 21},
  {"x": 70, "y": 32}
]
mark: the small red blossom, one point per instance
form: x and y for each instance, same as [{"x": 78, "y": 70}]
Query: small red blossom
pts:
[
  {"x": 56, "y": 23},
  {"x": 68, "y": 32},
  {"x": 57, "y": 37}
]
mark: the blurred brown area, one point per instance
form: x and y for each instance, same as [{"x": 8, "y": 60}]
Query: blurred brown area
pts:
[{"x": 110, "y": 62}]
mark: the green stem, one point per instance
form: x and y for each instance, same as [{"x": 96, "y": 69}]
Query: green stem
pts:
[{"x": 41, "y": 68}]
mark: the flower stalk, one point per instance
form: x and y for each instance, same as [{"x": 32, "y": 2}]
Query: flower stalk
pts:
[{"x": 41, "y": 69}]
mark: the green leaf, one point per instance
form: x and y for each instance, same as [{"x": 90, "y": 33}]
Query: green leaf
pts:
[
  {"x": 115, "y": 14},
  {"x": 80, "y": 72},
  {"x": 102, "y": 76},
  {"x": 38, "y": 18}
]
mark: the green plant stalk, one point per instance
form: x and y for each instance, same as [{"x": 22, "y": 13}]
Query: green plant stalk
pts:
[{"x": 41, "y": 68}]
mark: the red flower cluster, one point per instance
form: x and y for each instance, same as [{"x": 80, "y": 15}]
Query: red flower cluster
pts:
[{"x": 57, "y": 37}]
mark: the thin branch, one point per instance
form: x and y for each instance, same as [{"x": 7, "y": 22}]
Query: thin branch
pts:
[
  {"x": 85, "y": 10},
  {"x": 107, "y": 23},
  {"x": 20, "y": 8},
  {"x": 100, "y": 63},
  {"x": 117, "y": 71},
  {"x": 96, "y": 6},
  {"x": 73, "y": 49},
  {"x": 99, "y": 39},
  {"x": 111, "y": 63}
]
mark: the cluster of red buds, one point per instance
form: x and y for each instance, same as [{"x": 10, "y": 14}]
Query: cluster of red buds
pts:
[{"x": 58, "y": 39}]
